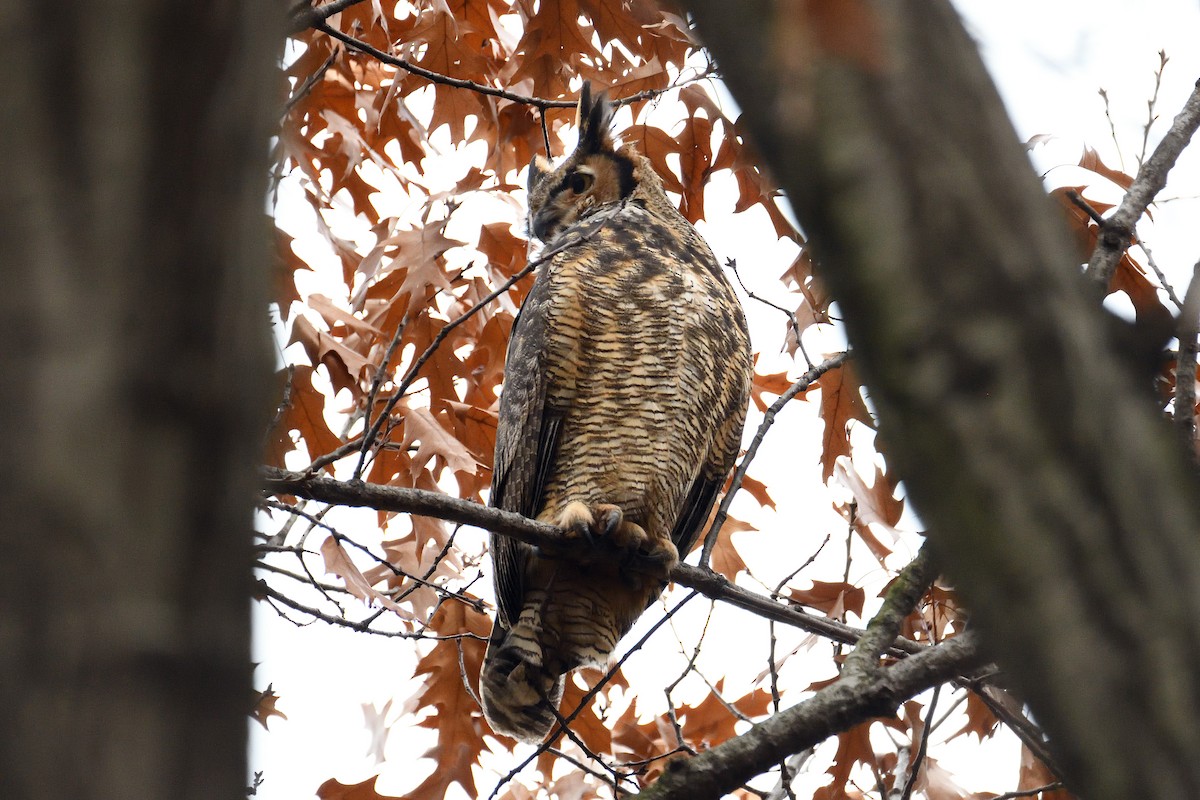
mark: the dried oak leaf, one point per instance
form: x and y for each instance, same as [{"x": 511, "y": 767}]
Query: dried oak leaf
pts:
[
  {"x": 833, "y": 599},
  {"x": 854, "y": 747},
  {"x": 435, "y": 443},
  {"x": 264, "y": 707},
  {"x": 304, "y": 414},
  {"x": 335, "y": 790},
  {"x": 841, "y": 402},
  {"x": 456, "y": 715},
  {"x": 337, "y": 562}
]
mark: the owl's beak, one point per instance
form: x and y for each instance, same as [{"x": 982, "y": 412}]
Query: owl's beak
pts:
[{"x": 545, "y": 222}]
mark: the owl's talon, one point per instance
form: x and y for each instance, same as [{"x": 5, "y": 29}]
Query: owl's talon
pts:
[{"x": 608, "y": 519}]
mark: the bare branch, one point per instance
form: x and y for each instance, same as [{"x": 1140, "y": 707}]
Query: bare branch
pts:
[
  {"x": 541, "y": 534},
  {"x": 491, "y": 91},
  {"x": 1117, "y": 231},
  {"x": 304, "y": 15}
]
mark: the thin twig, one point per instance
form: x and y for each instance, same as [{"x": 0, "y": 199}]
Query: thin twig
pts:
[
  {"x": 805, "y": 380},
  {"x": 1117, "y": 231},
  {"x": 362, "y": 627},
  {"x": 376, "y": 382},
  {"x": 915, "y": 767},
  {"x": 1076, "y": 198},
  {"x": 491, "y": 91},
  {"x": 1151, "y": 104},
  {"x": 1162, "y": 278},
  {"x": 1112, "y": 128}
]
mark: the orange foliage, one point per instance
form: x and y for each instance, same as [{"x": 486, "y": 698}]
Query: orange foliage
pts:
[{"x": 409, "y": 164}]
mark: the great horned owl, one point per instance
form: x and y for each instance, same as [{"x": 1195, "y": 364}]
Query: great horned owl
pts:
[{"x": 624, "y": 397}]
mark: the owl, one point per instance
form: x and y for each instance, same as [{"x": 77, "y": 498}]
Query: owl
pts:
[{"x": 625, "y": 393}]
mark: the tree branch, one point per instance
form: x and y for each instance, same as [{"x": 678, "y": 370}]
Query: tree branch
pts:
[
  {"x": 835, "y": 708},
  {"x": 1058, "y": 501},
  {"x": 491, "y": 91},
  {"x": 902, "y": 597},
  {"x": 544, "y": 535},
  {"x": 1117, "y": 231},
  {"x": 304, "y": 15}
]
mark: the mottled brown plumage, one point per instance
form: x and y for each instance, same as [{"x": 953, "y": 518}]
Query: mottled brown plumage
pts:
[{"x": 624, "y": 397}]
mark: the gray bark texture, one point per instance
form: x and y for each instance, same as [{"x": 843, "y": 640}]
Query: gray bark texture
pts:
[
  {"x": 1057, "y": 498},
  {"x": 134, "y": 254}
]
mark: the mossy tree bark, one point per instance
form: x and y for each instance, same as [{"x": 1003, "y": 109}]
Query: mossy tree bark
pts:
[{"x": 1058, "y": 499}]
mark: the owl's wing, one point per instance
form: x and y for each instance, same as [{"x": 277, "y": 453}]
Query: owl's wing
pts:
[
  {"x": 722, "y": 453},
  {"x": 693, "y": 514},
  {"x": 526, "y": 443}
]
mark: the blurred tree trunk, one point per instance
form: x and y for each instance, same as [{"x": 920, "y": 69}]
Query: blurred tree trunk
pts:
[
  {"x": 133, "y": 323},
  {"x": 1060, "y": 502}
]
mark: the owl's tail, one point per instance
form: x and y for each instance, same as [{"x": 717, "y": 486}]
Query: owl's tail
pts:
[{"x": 519, "y": 693}]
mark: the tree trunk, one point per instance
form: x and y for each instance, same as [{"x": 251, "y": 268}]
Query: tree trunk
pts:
[
  {"x": 133, "y": 324},
  {"x": 1058, "y": 499}
]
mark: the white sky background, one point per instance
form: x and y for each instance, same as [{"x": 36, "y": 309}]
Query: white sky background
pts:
[{"x": 1048, "y": 59}]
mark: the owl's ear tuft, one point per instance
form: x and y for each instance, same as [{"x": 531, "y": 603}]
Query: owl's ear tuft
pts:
[
  {"x": 539, "y": 167},
  {"x": 594, "y": 118}
]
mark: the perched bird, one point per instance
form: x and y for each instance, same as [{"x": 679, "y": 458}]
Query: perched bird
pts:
[{"x": 624, "y": 396}]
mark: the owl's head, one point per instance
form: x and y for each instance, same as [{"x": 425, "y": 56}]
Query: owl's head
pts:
[{"x": 594, "y": 175}]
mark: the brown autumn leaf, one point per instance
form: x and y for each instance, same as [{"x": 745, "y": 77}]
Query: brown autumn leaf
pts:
[
  {"x": 283, "y": 274},
  {"x": 456, "y": 715},
  {"x": 644, "y": 743},
  {"x": 940, "y": 614},
  {"x": 335, "y": 790},
  {"x": 1148, "y": 307},
  {"x": 552, "y": 48},
  {"x": 345, "y": 366},
  {"x": 452, "y": 45},
  {"x": 435, "y": 444},
  {"x": 841, "y": 402},
  {"x": 1091, "y": 161},
  {"x": 337, "y": 562},
  {"x": 656, "y": 145},
  {"x": 725, "y": 558},
  {"x": 877, "y": 504},
  {"x": 305, "y": 414},
  {"x": 758, "y": 490},
  {"x": 981, "y": 722},
  {"x": 1035, "y": 774},
  {"x": 340, "y": 321},
  {"x": 620, "y": 20},
  {"x": 710, "y": 722},
  {"x": 264, "y": 707},
  {"x": 832, "y": 599},
  {"x": 854, "y": 747},
  {"x": 775, "y": 383},
  {"x": 695, "y": 165}
]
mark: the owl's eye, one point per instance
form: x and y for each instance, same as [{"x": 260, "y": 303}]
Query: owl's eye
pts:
[{"x": 580, "y": 182}]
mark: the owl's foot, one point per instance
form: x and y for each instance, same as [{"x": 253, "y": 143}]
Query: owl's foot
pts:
[{"x": 605, "y": 522}]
